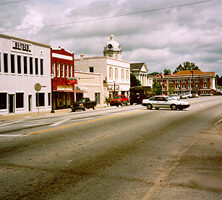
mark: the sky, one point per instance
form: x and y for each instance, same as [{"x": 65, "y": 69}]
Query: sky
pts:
[{"x": 161, "y": 33}]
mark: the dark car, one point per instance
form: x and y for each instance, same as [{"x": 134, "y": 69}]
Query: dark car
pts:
[
  {"x": 83, "y": 104},
  {"x": 119, "y": 100}
]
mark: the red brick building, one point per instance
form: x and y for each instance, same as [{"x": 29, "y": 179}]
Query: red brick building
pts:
[
  {"x": 63, "y": 82},
  {"x": 194, "y": 81}
]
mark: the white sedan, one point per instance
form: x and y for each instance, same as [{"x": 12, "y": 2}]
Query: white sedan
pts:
[{"x": 164, "y": 102}]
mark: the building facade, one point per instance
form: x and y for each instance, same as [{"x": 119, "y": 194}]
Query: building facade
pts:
[
  {"x": 140, "y": 71},
  {"x": 194, "y": 81},
  {"x": 115, "y": 71},
  {"x": 24, "y": 64},
  {"x": 90, "y": 85},
  {"x": 63, "y": 81}
]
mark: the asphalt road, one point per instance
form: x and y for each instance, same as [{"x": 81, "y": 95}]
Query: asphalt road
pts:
[{"x": 117, "y": 153}]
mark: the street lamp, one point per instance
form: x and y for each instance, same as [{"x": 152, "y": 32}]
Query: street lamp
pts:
[{"x": 52, "y": 109}]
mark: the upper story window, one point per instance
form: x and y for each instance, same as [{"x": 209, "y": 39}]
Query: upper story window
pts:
[
  {"x": 58, "y": 70},
  {"x": 122, "y": 74},
  {"x": 183, "y": 80},
  {"x": 110, "y": 72},
  {"x": 205, "y": 85},
  {"x": 63, "y": 70},
  {"x": 25, "y": 65},
  {"x": 177, "y": 81},
  {"x": 67, "y": 71},
  {"x": 41, "y": 67},
  {"x": 127, "y": 75},
  {"x": 71, "y": 71},
  {"x": 19, "y": 64},
  {"x": 116, "y": 73},
  {"x": 53, "y": 69},
  {"x": 31, "y": 65},
  {"x": 5, "y": 62},
  {"x": 205, "y": 79},
  {"x": 36, "y": 66},
  {"x": 91, "y": 69},
  {"x": 13, "y": 64}
]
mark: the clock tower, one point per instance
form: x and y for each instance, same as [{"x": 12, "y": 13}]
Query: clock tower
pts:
[{"x": 113, "y": 49}]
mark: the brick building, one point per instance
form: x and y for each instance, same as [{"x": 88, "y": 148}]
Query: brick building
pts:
[{"x": 194, "y": 81}]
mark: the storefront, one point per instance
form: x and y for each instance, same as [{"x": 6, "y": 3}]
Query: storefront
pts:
[{"x": 23, "y": 64}]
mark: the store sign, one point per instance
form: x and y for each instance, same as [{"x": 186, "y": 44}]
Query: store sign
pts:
[{"x": 21, "y": 47}]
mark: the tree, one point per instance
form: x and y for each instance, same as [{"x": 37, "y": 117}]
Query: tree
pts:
[
  {"x": 171, "y": 89},
  {"x": 134, "y": 81},
  {"x": 186, "y": 66},
  {"x": 156, "y": 89},
  {"x": 166, "y": 71}
]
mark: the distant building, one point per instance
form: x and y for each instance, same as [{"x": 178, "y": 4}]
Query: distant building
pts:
[
  {"x": 115, "y": 71},
  {"x": 90, "y": 85},
  {"x": 62, "y": 69},
  {"x": 194, "y": 81},
  {"x": 140, "y": 70},
  {"x": 23, "y": 64}
]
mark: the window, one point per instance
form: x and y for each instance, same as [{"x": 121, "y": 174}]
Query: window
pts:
[
  {"x": 205, "y": 85},
  {"x": 116, "y": 74},
  {"x": 3, "y": 101},
  {"x": 31, "y": 65},
  {"x": 58, "y": 70},
  {"x": 111, "y": 73},
  {"x": 36, "y": 66},
  {"x": 12, "y": 63},
  {"x": 122, "y": 74},
  {"x": 49, "y": 99},
  {"x": 53, "y": 69},
  {"x": 183, "y": 86},
  {"x": 71, "y": 71},
  {"x": 63, "y": 70},
  {"x": 19, "y": 64},
  {"x": 40, "y": 99},
  {"x": 19, "y": 100},
  {"x": 67, "y": 71},
  {"x": 25, "y": 65},
  {"x": 41, "y": 66},
  {"x": 91, "y": 69},
  {"x": 127, "y": 75},
  {"x": 5, "y": 62}
]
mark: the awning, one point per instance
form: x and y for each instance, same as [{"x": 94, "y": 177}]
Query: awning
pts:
[{"x": 81, "y": 89}]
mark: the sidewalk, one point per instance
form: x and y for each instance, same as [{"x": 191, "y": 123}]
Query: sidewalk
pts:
[{"x": 40, "y": 114}]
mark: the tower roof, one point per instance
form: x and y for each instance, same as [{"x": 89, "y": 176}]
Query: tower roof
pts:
[{"x": 112, "y": 45}]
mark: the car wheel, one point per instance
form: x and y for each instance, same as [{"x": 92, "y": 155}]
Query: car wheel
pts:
[
  {"x": 157, "y": 108},
  {"x": 173, "y": 107},
  {"x": 149, "y": 106},
  {"x": 83, "y": 109}
]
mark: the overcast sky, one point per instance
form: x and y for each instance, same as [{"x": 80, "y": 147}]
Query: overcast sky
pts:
[{"x": 162, "y": 38}]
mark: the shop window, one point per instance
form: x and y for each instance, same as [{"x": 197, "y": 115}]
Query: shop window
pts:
[
  {"x": 19, "y": 64},
  {"x": 40, "y": 99},
  {"x": 19, "y": 100},
  {"x": 31, "y": 65},
  {"x": 12, "y": 63},
  {"x": 36, "y": 66},
  {"x": 5, "y": 62},
  {"x": 25, "y": 65},
  {"x": 3, "y": 101},
  {"x": 41, "y": 66}
]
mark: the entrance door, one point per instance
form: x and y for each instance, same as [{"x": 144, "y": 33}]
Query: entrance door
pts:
[
  {"x": 11, "y": 103},
  {"x": 97, "y": 97},
  {"x": 30, "y": 102}
]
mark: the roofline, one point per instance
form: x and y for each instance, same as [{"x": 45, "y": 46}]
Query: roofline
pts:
[
  {"x": 100, "y": 57},
  {"x": 23, "y": 40}
]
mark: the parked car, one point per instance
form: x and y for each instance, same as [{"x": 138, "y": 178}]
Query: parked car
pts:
[
  {"x": 195, "y": 95},
  {"x": 175, "y": 97},
  {"x": 82, "y": 104},
  {"x": 183, "y": 96},
  {"x": 188, "y": 95},
  {"x": 164, "y": 102},
  {"x": 119, "y": 100}
]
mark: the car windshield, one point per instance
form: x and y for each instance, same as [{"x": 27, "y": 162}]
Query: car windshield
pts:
[{"x": 118, "y": 97}]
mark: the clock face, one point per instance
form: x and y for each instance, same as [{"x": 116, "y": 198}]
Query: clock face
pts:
[{"x": 110, "y": 46}]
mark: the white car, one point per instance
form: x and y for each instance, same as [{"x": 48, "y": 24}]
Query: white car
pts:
[
  {"x": 164, "y": 102},
  {"x": 175, "y": 97}
]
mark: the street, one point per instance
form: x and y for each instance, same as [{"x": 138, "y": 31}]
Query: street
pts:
[{"x": 115, "y": 153}]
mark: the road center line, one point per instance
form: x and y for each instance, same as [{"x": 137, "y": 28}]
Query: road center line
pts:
[{"x": 81, "y": 123}]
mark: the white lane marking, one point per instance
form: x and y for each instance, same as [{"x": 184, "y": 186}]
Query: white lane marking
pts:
[
  {"x": 60, "y": 122},
  {"x": 218, "y": 122},
  {"x": 14, "y": 122},
  {"x": 8, "y": 135}
]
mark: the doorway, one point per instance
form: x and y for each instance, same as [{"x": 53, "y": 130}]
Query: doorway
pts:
[
  {"x": 30, "y": 102},
  {"x": 11, "y": 103}
]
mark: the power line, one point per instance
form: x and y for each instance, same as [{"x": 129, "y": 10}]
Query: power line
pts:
[
  {"x": 111, "y": 17},
  {"x": 10, "y": 2}
]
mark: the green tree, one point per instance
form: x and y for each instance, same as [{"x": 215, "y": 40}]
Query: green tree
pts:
[
  {"x": 186, "y": 66},
  {"x": 171, "y": 89},
  {"x": 166, "y": 71},
  {"x": 134, "y": 81},
  {"x": 156, "y": 89}
]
